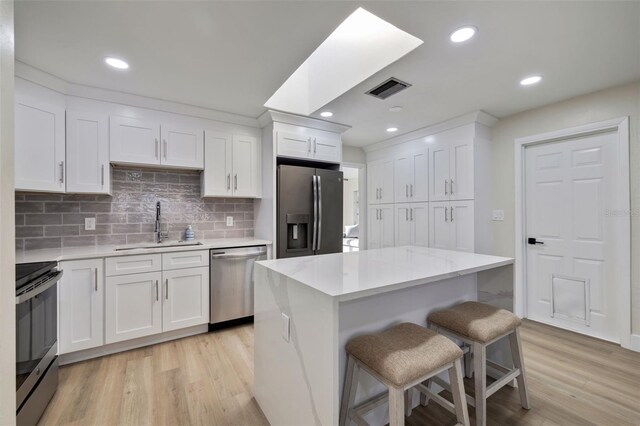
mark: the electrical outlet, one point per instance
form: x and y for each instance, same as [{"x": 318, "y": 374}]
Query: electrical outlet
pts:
[
  {"x": 229, "y": 220},
  {"x": 89, "y": 223},
  {"x": 286, "y": 327},
  {"x": 497, "y": 215}
]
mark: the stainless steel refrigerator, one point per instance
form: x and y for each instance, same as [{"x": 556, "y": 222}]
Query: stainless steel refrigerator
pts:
[{"x": 309, "y": 211}]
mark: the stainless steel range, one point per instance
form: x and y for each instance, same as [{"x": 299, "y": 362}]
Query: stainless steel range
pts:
[{"x": 36, "y": 338}]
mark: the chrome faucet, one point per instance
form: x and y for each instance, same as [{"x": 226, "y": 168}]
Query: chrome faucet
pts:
[{"x": 160, "y": 236}]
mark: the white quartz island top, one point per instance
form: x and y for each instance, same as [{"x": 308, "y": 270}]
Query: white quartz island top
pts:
[
  {"x": 91, "y": 252},
  {"x": 348, "y": 276}
]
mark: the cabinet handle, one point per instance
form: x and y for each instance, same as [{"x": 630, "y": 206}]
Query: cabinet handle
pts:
[
  {"x": 235, "y": 182},
  {"x": 62, "y": 172},
  {"x": 381, "y": 193},
  {"x": 446, "y": 218},
  {"x": 451, "y": 213},
  {"x": 406, "y": 191},
  {"x": 166, "y": 148},
  {"x": 446, "y": 191},
  {"x": 406, "y": 214},
  {"x": 95, "y": 278},
  {"x": 166, "y": 288},
  {"x": 228, "y": 181},
  {"x": 157, "y": 146},
  {"x": 309, "y": 145},
  {"x": 102, "y": 175},
  {"x": 411, "y": 215},
  {"x": 157, "y": 298},
  {"x": 411, "y": 190},
  {"x": 315, "y": 145},
  {"x": 451, "y": 186},
  {"x": 381, "y": 218}
]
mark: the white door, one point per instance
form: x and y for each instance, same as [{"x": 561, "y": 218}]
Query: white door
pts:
[
  {"x": 570, "y": 276},
  {"x": 461, "y": 222},
  {"x": 245, "y": 166},
  {"x": 182, "y": 147},
  {"x": 419, "y": 217},
  {"x": 374, "y": 227},
  {"x": 81, "y": 305},
  {"x": 439, "y": 229},
  {"x": 386, "y": 181},
  {"x": 419, "y": 190},
  {"x": 403, "y": 168},
  {"x": 39, "y": 146},
  {"x": 293, "y": 145},
  {"x": 387, "y": 230},
  {"x": 88, "y": 169},
  {"x": 403, "y": 226},
  {"x": 186, "y": 298},
  {"x": 216, "y": 180},
  {"x": 133, "y": 306},
  {"x": 327, "y": 148},
  {"x": 439, "y": 171},
  {"x": 461, "y": 171},
  {"x": 134, "y": 141}
]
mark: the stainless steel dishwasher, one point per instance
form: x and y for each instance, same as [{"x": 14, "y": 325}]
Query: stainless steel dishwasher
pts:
[{"x": 231, "y": 283}]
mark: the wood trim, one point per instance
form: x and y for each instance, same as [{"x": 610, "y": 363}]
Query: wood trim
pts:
[{"x": 272, "y": 116}]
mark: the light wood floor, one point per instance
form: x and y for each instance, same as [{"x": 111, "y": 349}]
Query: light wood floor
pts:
[{"x": 208, "y": 379}]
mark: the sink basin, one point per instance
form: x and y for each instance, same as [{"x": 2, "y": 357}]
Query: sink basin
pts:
[{"x": 166, "y": 244}]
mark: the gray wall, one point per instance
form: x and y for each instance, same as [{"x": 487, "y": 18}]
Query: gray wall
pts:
[{"x": 127, "y": 217}]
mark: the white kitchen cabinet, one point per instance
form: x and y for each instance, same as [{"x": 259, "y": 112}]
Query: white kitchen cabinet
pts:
[
  {"x": 81, "y": 305},
  {"x": 411, "y": 177},
  {"x": 381, "y": 229},
  {"x": 451, "y": 170},
  {"x": 451, "y": 225},
  {"x": 232, "y": 165},
  {"x": 88, "y": 170},
  {"x": 134, "y": 141},
  {"x": 380, "y": 178},
  {"x": 39, "y": 144},
  {"x": 140, "y": 263},
  {"x": 133, "y": 306},
  {"x": 412, "y": 224},
  {"x": 182, "y": 146},
  {"x": 309, "y": 144},
  {"x": 186, "y": 298},
  {"x": 294, "y": 145}
]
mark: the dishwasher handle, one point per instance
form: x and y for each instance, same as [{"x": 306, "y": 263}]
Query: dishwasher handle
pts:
[{"x": 239, "y": 254}]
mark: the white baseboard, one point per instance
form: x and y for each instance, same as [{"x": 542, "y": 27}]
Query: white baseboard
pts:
[{"x": 635, "y": 342}]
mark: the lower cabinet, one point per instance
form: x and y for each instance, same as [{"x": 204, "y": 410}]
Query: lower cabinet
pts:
[
  {"x": 81, "y": 305},
  {"x": 412, "y": 224},
  {"x": 451, "y": 225},
  {"x": 381, "y": 226},
  {"x": 186, "y": 298}
]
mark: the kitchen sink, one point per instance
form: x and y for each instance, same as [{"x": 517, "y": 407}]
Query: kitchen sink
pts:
[{"x": 166, "y": 244}]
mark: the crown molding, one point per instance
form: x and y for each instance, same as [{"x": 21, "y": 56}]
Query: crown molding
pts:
[
  {"x": 479, "y": 116},
  {"x": 272, "y": 116},
  {"x": 42, "y": 78}
]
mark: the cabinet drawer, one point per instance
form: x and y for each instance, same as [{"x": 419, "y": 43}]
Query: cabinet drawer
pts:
[
  {"x": 122, "y": 265},
  {"x": 185, "y": 259}
]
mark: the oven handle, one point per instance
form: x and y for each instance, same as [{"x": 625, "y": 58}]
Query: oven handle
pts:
[{"x": 53, "y": 279}]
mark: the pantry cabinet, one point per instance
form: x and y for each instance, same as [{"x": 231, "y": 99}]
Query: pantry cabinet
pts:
[
  {"x": 412, "y": 224},
  {"x": 411, "y": 177},
  {"x": 81, "y": 305},
  {"x": 381, "y": 226},
  {"x": 451, "y": 225},
  {"x": 451, "y": 168},
  {"x": 380, "y": 178},
  {"x": 232, "y": 166},
  {"x": 88, "y": 170}
]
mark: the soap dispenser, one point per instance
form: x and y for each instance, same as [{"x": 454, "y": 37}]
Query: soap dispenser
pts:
[{"x": 189, "y": 235}]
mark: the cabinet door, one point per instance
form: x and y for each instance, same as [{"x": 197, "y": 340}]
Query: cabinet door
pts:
[
  {"x": 419, "y": 216},
  {"x": 419, "y": 184},
  {"x": 134, "y": 141},
  {"x": 386, "y": 181},
  {"x": 81, "y": 305},
  {"x": 88, "y": 170},
  {"x": 373, "y": 182},
  {"x": 216, "y": 177},
  {"x": 461, "y": 171},
  {"x": 403, "y": 225},
  {"x": 373, "y": 227},
  {"x": 182, "y": 147},
  {"x": 133, "y": 307},
  {"x": 462, "y": 226},
  {"x": 186, "y": 298},
  {"x": 293, "y": 145},
  {"x": 403, "y": 169},
  {"x": 439, "y": 171},
  {"x": 327, "y": 148},
  {"x": 39, "y": 146},
  {"x": 387, "y": 229},
  {"x": 246, "y": 166},
  {"x": 439, "y": 229}
]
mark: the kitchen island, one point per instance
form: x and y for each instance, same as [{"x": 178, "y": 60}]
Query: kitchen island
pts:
[{"x": 307, "y": 308}]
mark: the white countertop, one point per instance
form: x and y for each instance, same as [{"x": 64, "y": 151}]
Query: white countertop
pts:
[
  {"x": 359, "y": 274},
  {"x": 90, "y": 252}
]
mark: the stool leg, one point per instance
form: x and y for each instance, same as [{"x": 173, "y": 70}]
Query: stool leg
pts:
[
  {"x": 349, "y": 391},
  {"x": 424, "y": 399},
  {"x": 408, "y": 401},
  {"x": 468, "y": 363},
  {"x": 518, "y": 362},
  {"x": 457, "y": 389},
  {"x": 396, "y": 406},
  {"x": 480, "y": 382}
]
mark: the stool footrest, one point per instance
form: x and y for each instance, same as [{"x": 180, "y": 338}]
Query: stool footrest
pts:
[
  {"x": 437, "y": 398},
  {"x": 495, "y": 386}
]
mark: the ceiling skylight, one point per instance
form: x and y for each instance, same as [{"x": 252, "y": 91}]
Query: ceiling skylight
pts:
[{"x": 362, "y": 45}]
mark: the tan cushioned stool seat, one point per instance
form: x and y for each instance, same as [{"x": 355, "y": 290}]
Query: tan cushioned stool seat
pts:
[
  {"x": 403, "y": 353},
  {"x": 477, "y": 321}
]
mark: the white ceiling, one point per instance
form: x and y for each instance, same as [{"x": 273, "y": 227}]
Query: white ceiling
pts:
[{"x": 232, "y": 56}]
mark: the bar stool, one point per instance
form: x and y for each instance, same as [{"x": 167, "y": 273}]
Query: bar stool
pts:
[
  {"x": 479, "y": 325},
  {"x": 401, "y": 357}
]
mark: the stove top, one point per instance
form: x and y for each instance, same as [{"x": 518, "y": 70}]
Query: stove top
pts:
[{"x": 26, "y": 272}]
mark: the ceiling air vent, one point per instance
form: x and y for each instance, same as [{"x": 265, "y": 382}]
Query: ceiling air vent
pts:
[{"x": 388, "y": 88}]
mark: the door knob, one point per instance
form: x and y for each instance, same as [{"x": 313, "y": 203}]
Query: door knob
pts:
[{"x": 533, "y": 241}]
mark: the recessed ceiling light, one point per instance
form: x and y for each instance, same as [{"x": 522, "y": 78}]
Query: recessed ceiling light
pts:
[
  {"x": 326, "y": 114},
  {"x": 116, "y": 63},
  {"x": 392, "y": 129},
  {"x": 463, "y": 34},
  {"x": 395, "y": 109},
  {"x": 528, "y": 81}
]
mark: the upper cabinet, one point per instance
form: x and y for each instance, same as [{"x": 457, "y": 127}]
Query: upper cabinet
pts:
[
  {"x": 380, "y": 178},
  {"x": 144, "y": 142},
  {"x": 411, "y": 177},
  {"x": 451, "y": 165},
  {"x": 309, "y": 144},
  {"x": 39, "y": 143},
  {"x": 232, "y": 166},
  {"x": 88, "y": 170}
]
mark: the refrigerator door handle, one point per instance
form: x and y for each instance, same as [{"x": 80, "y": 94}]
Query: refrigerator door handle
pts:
[
  {"x": 319, "y": 230},
  {"x": 315, "y": 212}
]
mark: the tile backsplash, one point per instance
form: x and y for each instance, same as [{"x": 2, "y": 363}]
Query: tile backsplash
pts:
[{"x": 128, "y": 216}]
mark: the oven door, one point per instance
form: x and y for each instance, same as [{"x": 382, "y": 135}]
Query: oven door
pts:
[{"x": 36, "y": 333}]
